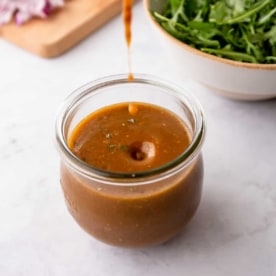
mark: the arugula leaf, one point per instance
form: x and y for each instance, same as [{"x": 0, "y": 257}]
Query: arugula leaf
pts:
[{"x": 242, "y": 30}]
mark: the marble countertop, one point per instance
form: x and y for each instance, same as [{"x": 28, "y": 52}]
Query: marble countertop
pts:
[{"x": 234, "y": 230}]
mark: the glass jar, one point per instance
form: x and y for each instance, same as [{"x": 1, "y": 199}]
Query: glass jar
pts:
[{"x": 126, "y": 209}]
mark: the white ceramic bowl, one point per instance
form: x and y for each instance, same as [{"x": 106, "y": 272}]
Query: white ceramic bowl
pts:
[{"x": 238, "y": 80}]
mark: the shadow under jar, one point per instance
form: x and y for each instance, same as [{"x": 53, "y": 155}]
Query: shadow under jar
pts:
[{"x": 139, "y": 208}]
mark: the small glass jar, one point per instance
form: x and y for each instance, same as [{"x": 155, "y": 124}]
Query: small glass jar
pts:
[{"x": 125, "y": 209}]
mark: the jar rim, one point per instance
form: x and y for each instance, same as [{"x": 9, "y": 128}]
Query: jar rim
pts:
[{"x": 109, "y": 177}]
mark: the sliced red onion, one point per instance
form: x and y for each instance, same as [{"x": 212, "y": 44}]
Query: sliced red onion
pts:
[{"x": 24, "y": 10}]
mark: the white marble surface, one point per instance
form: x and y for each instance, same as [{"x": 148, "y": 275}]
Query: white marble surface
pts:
[{"x": 234, "y": 230}]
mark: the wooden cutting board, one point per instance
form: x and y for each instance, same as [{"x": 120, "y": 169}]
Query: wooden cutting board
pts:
[{"x": 64, "y": 28}]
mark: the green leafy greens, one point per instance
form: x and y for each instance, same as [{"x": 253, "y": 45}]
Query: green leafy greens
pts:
[{"x": 241, "y": 30}]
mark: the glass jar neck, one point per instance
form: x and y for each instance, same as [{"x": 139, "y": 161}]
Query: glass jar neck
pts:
[{"x": 72, "y": 104}]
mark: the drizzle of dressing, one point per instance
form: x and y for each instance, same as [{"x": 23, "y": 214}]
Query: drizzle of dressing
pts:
[{"x": 127, "y": 16}]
